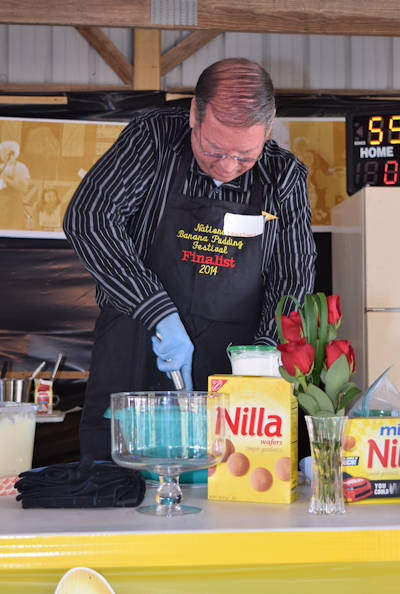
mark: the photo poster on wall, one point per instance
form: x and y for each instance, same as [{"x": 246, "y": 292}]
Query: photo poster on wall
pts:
[
  {"x": 42, "y": 162},
  {"x": 319, "y": 143}
]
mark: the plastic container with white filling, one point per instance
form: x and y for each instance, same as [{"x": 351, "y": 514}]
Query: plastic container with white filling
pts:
[
  {"x": 17, "y": 434},
  {"x": 259, "y": 360}
]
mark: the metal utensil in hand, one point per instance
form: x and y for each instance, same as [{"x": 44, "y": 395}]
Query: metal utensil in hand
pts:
[
  {"x": 178, "y": 380},
  {"x": 176, "y": 375}
]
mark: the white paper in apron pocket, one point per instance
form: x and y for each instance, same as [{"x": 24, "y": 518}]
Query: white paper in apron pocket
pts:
[{"x": 237, "y": 225}]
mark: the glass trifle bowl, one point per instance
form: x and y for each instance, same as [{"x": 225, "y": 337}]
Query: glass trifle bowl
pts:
[{"x": 168, "y": 433}]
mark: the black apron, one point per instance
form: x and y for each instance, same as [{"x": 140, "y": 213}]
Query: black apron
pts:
[{"x": 214, "y": 280}]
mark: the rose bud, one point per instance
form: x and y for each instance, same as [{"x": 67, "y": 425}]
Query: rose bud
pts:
[
  {"x": 298, "y": 355},
  {"x": 292, "y": 328},
  {"x": 335, "y": 348},
  {"x": 334, "y": 310}
]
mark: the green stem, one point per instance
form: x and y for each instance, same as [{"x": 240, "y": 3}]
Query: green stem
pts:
[
  {"x": 328, "y": 463},
  {"x": 321, "y": 343},
  {"x": 302, "y": 382}
]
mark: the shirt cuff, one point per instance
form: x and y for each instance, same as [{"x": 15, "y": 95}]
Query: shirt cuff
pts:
[
  {"x": 262, "y": 340},
  {"x": 155, "y": 309}
]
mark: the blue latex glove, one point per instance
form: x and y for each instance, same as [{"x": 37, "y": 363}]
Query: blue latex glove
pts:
[
  {"x": 306, "y": 467},
  {"x": 173, "y": 348}
]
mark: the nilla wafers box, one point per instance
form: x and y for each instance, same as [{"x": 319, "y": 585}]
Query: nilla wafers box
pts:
[
  {"x": 260, "y": 463},
  {"x": 371, "y": 460}
]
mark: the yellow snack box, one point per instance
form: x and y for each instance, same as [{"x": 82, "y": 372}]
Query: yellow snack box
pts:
[
  {"x": 371, "y": 460},
  {"x": 260, "y": 464}
]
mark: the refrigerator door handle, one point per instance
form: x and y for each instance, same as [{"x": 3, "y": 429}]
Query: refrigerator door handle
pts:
[{"x": 379, "y": 309}]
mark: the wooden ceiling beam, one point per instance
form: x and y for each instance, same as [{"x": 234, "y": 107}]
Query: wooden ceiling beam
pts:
[
  {"x": 32, "y": 100},
  {"x": 185, "y": 48},
  {"x": 176, "y": 92},
  {"x": 149, "y": 51},
  {"x": 342, "y": 17},
  {"x": 109, "y": 52},
  {"x": 147, "y": 60},
  {"x": 150, "y": 65},
  {"x": 9, "y": 87},
  {"x": 47, "y": 374}
]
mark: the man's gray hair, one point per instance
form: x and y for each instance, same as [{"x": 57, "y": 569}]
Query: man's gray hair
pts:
[{"x": 239, "y": 91}]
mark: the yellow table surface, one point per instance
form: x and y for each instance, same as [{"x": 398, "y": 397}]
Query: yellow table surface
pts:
[{"x": 226, "y": 547}]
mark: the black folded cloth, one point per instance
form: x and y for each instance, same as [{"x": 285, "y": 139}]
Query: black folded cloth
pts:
[{"x": 88, "y": 483}]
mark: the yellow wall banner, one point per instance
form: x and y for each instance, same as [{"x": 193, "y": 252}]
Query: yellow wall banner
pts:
[
  {"x": 42, "y": 162},
  {"x": 320, "y": 143}
]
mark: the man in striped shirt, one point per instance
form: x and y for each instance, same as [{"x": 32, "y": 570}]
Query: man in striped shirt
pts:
[{"x": 169, "y": 223}]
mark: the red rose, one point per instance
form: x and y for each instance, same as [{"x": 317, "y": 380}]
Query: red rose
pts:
[
  {"x": 335, "y": 348},
  {"x": 292, "y": 328},
  {"x": 297, "y": 354},
  {"x": 334, "y": 309}
]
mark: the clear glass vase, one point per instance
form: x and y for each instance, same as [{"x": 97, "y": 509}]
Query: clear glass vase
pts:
[{"x": 326, "y": 441}]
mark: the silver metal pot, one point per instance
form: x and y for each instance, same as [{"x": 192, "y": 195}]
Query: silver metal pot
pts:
[{"x": 15, "y": 390}]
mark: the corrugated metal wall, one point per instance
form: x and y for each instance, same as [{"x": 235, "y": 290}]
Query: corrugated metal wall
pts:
[
  {"x": 302, "y": 61},
  {"x": 60, "y": 54}
]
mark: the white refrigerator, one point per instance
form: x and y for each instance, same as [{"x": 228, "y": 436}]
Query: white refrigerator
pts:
[{"x": 366, "y": 275}]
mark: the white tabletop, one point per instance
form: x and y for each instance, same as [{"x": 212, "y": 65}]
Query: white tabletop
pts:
[{"x": 217, "y": 516}]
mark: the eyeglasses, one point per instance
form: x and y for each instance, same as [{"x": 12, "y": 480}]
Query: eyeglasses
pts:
[{"x": 220, "y": 156}]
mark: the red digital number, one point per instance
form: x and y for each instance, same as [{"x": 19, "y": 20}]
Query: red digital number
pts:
[{"x": 391, "y": 173}]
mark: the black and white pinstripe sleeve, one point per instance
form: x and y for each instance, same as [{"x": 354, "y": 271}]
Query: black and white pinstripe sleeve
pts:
[
  {"x": 96, "y": 222},
  {"x": 291, "y": 267}
]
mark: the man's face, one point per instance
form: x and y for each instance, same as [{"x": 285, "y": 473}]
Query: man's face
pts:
[{"x": 213, "y": 137}]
